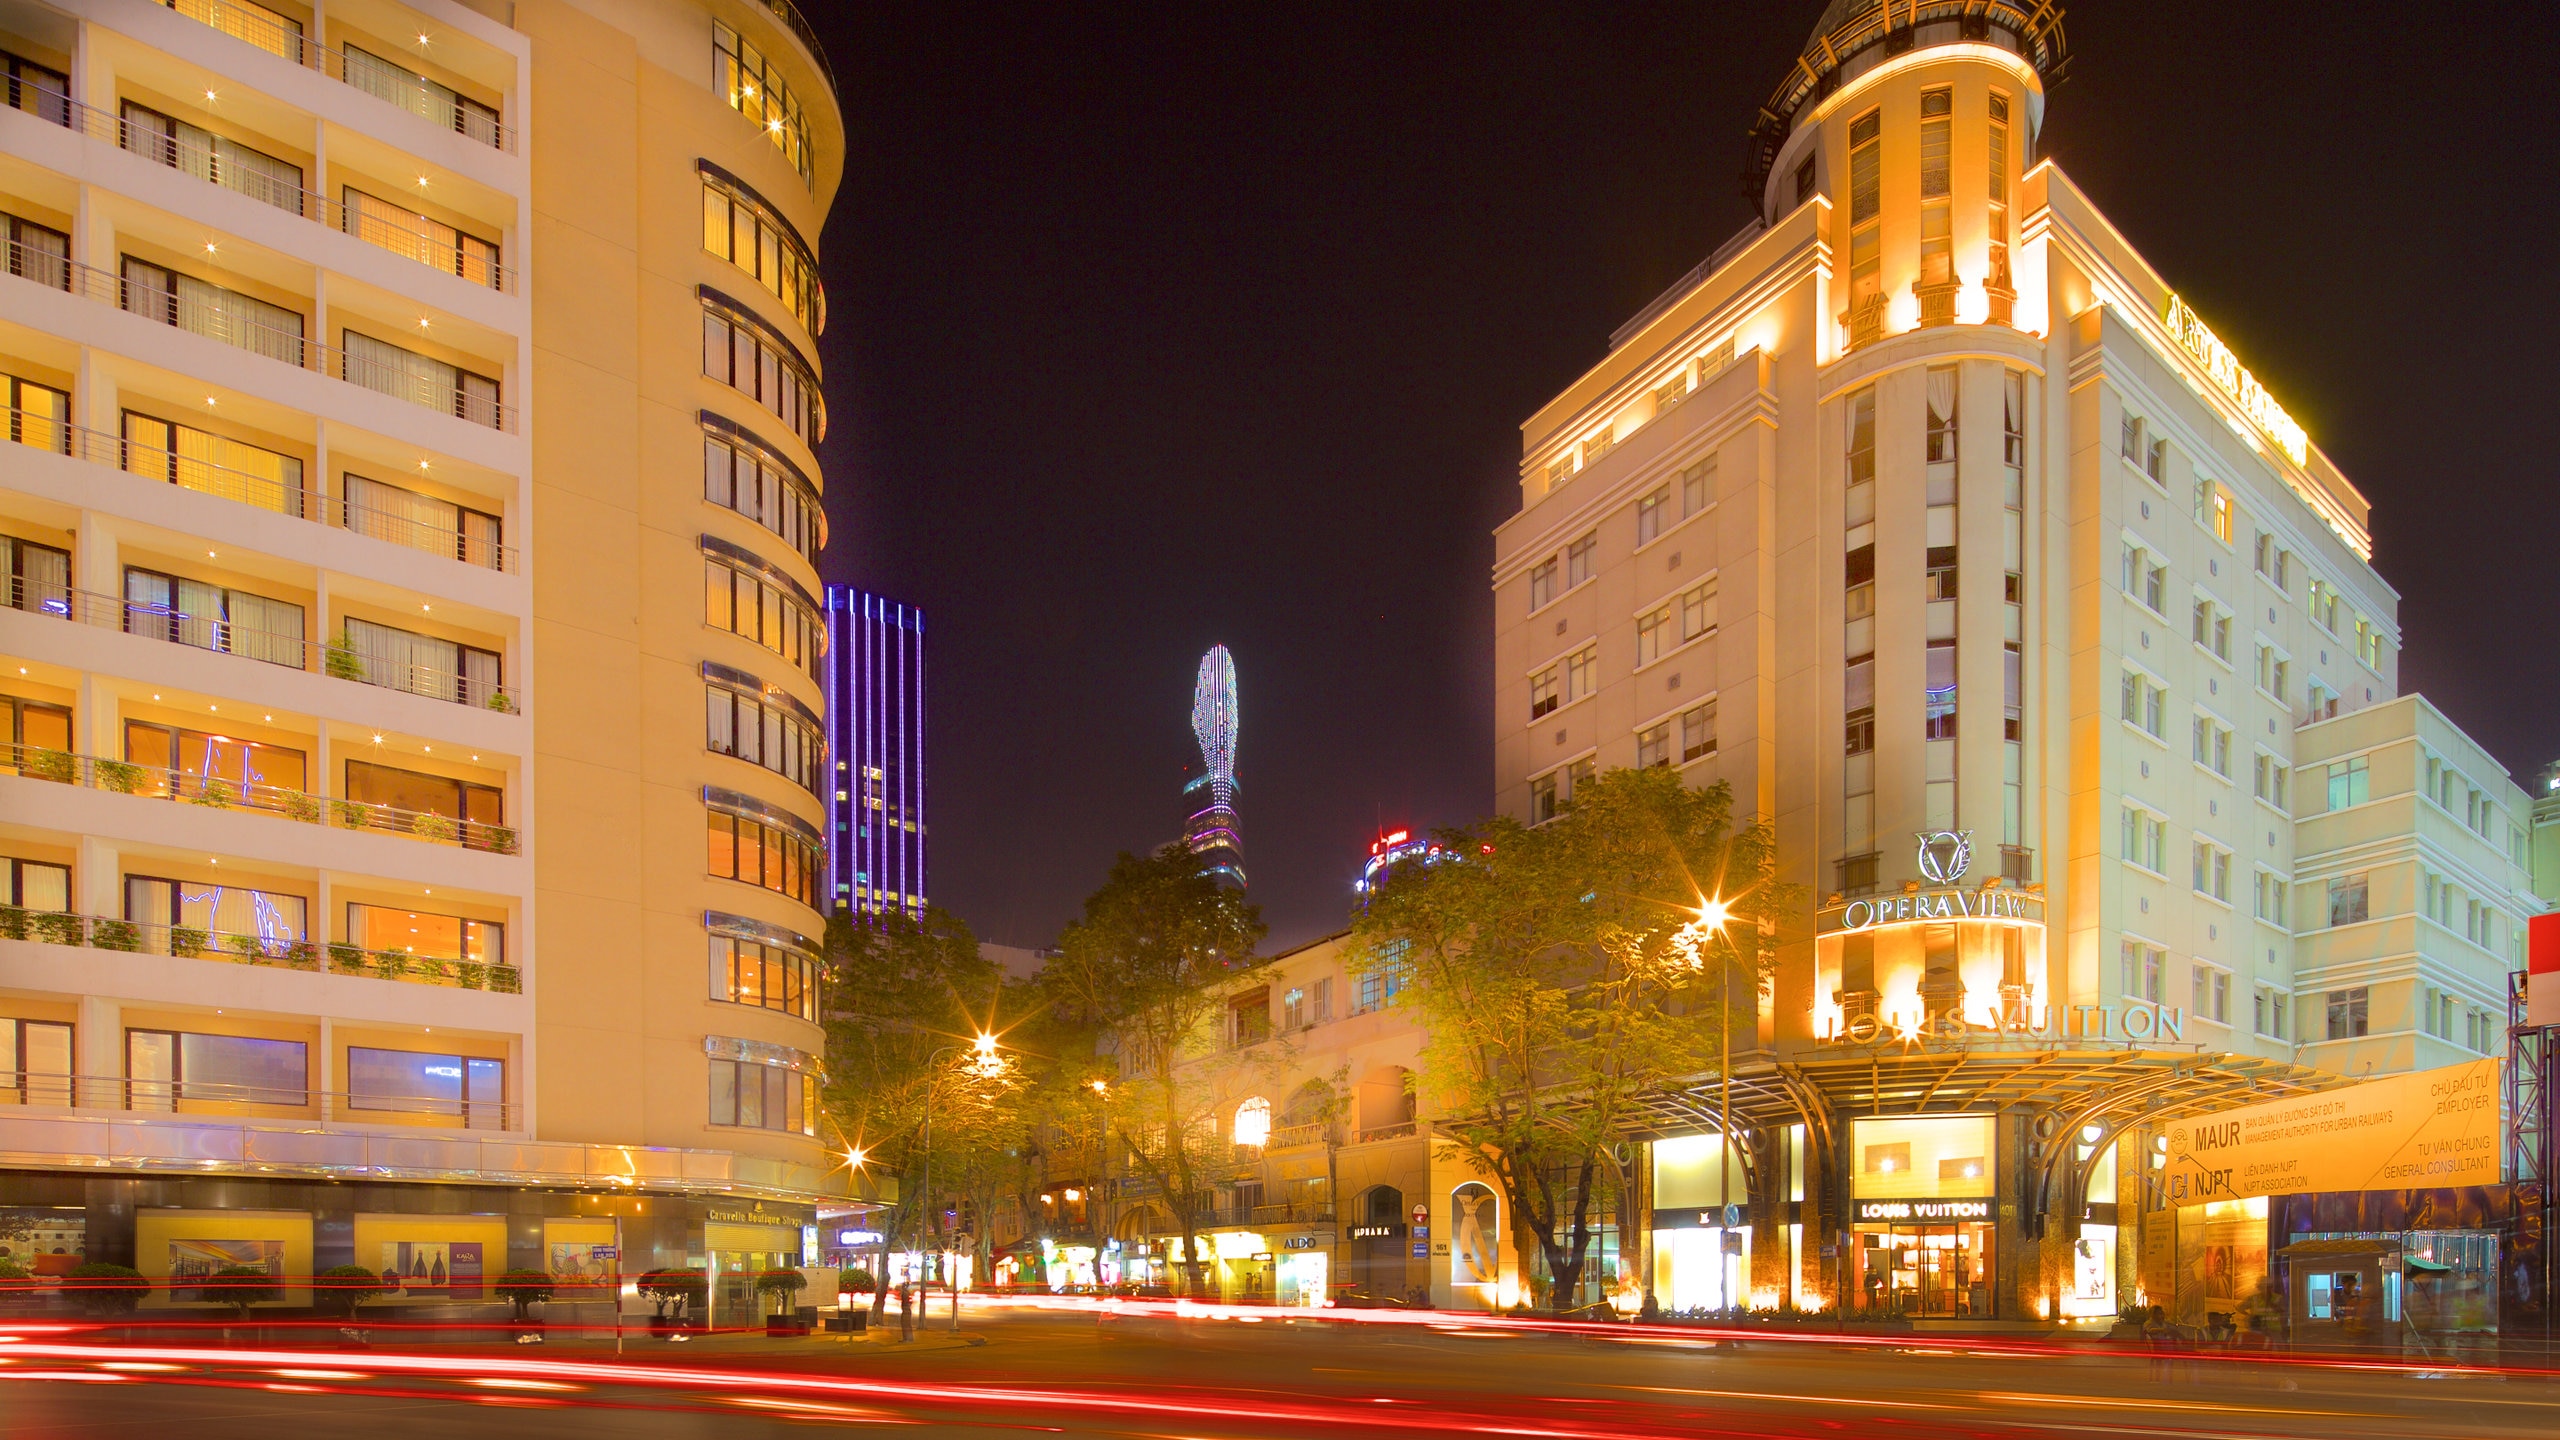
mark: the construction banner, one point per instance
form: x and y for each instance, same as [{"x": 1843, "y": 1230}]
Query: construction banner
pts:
[{"x": 2407, "y": 1132}]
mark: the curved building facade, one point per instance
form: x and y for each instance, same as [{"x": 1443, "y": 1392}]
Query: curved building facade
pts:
[
  {"x": 1930, "y": 517},
  {"x": 411, "y": 517}
]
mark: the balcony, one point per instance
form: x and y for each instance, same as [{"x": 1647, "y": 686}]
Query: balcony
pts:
[
  {"x": 1292, "y": 1137},
  {"x": 412, "y": 236},
  {"x": 191, "y": 472},
  {"x": 340, "y": 661},
  {"x": 377, "y": 365},
  {"x": 359, "y": 69},
  {"x": 189, "y": 942},
  {"x": 123, "y": 777},
  {"x": 186, "y": 1101},
  {"x": 1406, "y": 1130}
]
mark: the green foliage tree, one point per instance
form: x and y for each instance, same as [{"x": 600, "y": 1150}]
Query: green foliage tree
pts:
[
  {"x": 684, "y": 1292},
  {"x": 1564, "y": 979},
  {"x": 906, "y": 1086},
  {"x": 523, "y": 1289},
  {"x": 101, "y": 1288},
  {"x": 1145, "y": 974},
  {"x": 241, "y": 1286},
  {"x": 339, "y": 1289},
  {"x": 777, "y": 1287}
]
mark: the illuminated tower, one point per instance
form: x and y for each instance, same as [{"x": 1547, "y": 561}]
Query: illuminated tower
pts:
[{"x": 1212, "y": 832}]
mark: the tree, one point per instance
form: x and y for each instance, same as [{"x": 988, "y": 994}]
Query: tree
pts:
[
  {"x": 339, "y": 1289},
  {"x": 779, "y": 1287},
  {"x": 1564, "y": 978},
  {"x": 682, "y": 1291},
  {"x": 101, "y": 1288},
  {"x": 523, "y": 1289},
  {"x": 1145, "y": 972},
  {"x": 907, "y": 1087},
  {"x": 241, "y": 1286}
]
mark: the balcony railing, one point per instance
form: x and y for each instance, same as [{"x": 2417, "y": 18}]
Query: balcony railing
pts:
[
  {"x": 125, "y": 777},
  {"x": 1405, "y": 1131},
  {"x": 205, "y": 632},
  {"x": 52, "y": 1090},
  {"x": 413, "y": 236},
  {"x": 259, "y": 26},
  {"x": 291, "y": 347},
  {"x": 188, "y": 472},
  {"x": 1289, "y": 1137},
  {"x": 188, "y": 942}
]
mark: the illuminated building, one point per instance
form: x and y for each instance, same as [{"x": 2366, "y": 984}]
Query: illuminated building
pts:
[
  {"x": 2134, "y": 818},
  {"x": 1211, "y": 832},
  {"x": 410, "y": 507},
  {"x": 875, "y": 742},
  {"x": 1390, "y": 850}
]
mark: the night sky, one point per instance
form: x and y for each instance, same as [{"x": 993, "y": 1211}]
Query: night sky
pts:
[{"x": 1158, "y": 329}]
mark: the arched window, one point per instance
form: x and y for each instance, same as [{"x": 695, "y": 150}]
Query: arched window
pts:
[{"x": 1253, "y": 1122}]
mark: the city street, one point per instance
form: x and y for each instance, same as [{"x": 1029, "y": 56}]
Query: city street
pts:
[{"x": 1066, "y": 1373}]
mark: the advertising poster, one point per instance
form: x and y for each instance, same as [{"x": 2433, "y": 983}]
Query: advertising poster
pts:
[
  {"x": 193, "y": 1262},
  {"x": 579, "y": 1255},
  {"x": 1475, "y": 1252},
  {"x": 2428, "y": 1130},
  {"x": 181, "y": 1249},
  {"x": 433, "y": 1269},
  {"x": 432, "y": 1257}
]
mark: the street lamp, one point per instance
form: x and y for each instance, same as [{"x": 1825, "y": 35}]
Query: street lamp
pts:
[
  {"x": 985, "y": 1049},
  {"x": 1693, "y": 943}
]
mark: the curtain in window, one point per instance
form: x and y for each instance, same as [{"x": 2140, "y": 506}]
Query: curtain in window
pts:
[
  {"x": 401, "y": 516},
  {"x": 403, "y": 660},
  {"x": 480, "y": 680},
  {"x": 237, "y": 319},
  {"x": 264, "y": 629},
  {"x": 1942, "y": 397},
  {"x": 402, "y": 374},
  {"x": 39, "y": 577}
]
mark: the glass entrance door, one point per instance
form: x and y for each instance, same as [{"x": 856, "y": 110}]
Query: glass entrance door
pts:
[{"x": 1923, "y": 1271}]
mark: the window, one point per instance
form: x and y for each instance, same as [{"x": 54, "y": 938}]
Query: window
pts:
[
  {"x": 747, "y": 971},
  {"x": 2369, "y": 644},
  {"x": 2212, "y": 871},
  {"x": 739, "y": 227},
  {"x": 2129, "y": 437},
  {"x": 421, "y": 1083},
  {"x": 1698, "y": 612},
  {"x": 165, "y": 1067},
  {"x": 179, "y": 762},
  {"x": 1378, "y": 990},
  {"x": 2141, "y": 702},
  {"x": 2350, "y": 783},
  {"x": 2347, "y": 1012},
  {"x": 1579, "y": 558},
  {"x": 749, "y": 356},
  {"x": 1252, "y": 1123},
  {"x": 413, "y": 92},
  {"x": 1698, "y": 733},
  {"x": 2212, "y": 629},
  {"x": 1578, "y": 774},
  {"x": 2146, "y": 580},
  {"x": 423, "y": 794},
  {"x": 267, "y": 923},
  {"x": 2347, "y": 901},
  {"x": 170, "y": 297},
  {"x": 1998, "y": 192},
  {"x": 758, "y": 845},
  {"x": 2212, "y": 745},
  {"x": 746, "y": 597},
  {"x": 2274, "y": 561},
  {"x": 2272, "y": 668},
  {"x": 1866, "y": 249},
  {"x": 757, "y": 1094},
  {"x": 751, "y": 85},
  {"x": 2156, "y": 464},
  {"x": 406, "y": 517},
  {"x": 2209, "y": 993},
  {"x": 1543, "y": 692},
  {"x": 35, "y": 885},
  {"x": 1249, "y": 1017},
  {"x": 1866, "y": 168},
  {"x": 1650, "y": 630},
  {"x": 1560, "y": 471},
  {"x": 212, "y": 617},
  {"x": 405, "y": 233},
  {"x": 36, "y": 90},
  {"x": 2143, "y": 839},
  {"x": 1669, "y": 393},
  {"x": 416, "y": 932},
  {"x": 761, "y": 725},
  {"x": 1542, "y": 583},
  {"x": 1649, "y": 515},
  {"x": 1542, "y": 799},
  {"x": 35, "y": 1062},
  {"x": 2269, "y": 780},
  {"x": 2321, "y": 701},
  {"x": 2270, "y": 901},
  {"x": 742, "y": 473},
  {"x": 1697, "y": 486},
  {"x": 1938, "y": 702},
  {"x": 2324, "y": 605},
  {"x": 439, "y": 669},
  {"x": 1653, "y": 746},
  {"x": 167, "y": 140},
  {"x": 39, "y": 416},
  {"x": 1320, "y": 1010},
  {"x": 1942, "y": 406},
  {"x": 2140, "y": 971},
  {"x": 1804, "y": 185},
  {"x": 2213, "y": 509},
  {"x": 1581, "y": 673},
  {"x": 404, "y": 374},
  {"x": 1937, "y": 109},
  {"x": 2267, "y": 1013}
]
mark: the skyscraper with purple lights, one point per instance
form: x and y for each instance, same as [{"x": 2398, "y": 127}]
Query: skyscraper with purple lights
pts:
[
  {"x": 875, "y": 747},
  {"x": 1212, "y": 833}
]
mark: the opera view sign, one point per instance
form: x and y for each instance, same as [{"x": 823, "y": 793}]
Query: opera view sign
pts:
[{"x": 2421, "y": 1131}]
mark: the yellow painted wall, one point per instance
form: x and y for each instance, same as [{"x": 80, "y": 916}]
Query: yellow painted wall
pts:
[{"x": 164, "y": 1239}]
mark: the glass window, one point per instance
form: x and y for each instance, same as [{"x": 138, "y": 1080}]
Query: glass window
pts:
[
  {"x": 753, "y": 88},
  {"x": 1649, "y": 514},
  {"x": 421, "y": 1082},
  {"x": 2350, "y": 783},
  {"x": 1579, "y": 559},
  {"x": 756, "y": 1096},
  {"x": 423, "y": 794},
  {"x": 1542, "y": 583},
  {"x": 236, "y": 1068},
  {"x": 35, "y": 1062},
  {"x": 1653, "y": 746},
  {"x": 1697, "y": 486},
  {"x": 2348, "y": 1012},
  {"x": 36, "y": 885},
  {"x": 1698, "y": 733},
  {"x": 749, "y": 972},
  {"x": 419, "y": 932},
  {"x": 2348, "y": 900},
  {"x": 739, "y": 227}
]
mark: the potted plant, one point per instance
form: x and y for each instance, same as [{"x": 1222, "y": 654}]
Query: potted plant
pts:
[
  {"x": 301, "y": 806},
  {"x": 243, "y": 947},
  {"x": 506, "y": 979},
  {"x": 345, "y": 958},
  {"x": 524, "y": 1289},
  {"x": 122, "y": 776},
  {"x": 342, "y": 663},
  {"x": 103, "y": 1289},
  {"x": 55, "y": 927},
  {"x": 784, "y": 1286},
  {"x": 431, "y": 827},
  {"x": 121, "y": 935},
  {"x": 354, "y": 814},
  {"x": 16, "y": 1284},
  {"x": 501, "y": 701},
  {"x": 215, "y": 791},
  {"x": 241, "y": 1286},
  {"x": 54, "y": 765},
  {"x": 14, "y": 922},
  {"x": 186, "y": 941},
  {"x": 674, "y": 1296}
]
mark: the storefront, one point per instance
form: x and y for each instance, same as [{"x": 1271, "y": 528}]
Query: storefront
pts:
[
  {"x": 741, "y": 1245},
  {"x": 1921, "y": 1206},
  {"x": 1702, "y": 1227}
]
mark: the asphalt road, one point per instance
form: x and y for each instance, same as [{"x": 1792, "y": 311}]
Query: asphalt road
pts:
[{"x": 1213, "y": 1379}]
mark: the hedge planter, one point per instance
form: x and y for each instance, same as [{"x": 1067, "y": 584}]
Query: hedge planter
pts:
[
  {"x": 121, "y": 776},
  {"x": 353, "y": 814},
  {"x": 186, "y": 941}
]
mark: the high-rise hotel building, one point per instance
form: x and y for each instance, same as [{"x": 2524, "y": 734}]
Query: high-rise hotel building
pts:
[
  {"x": 1936, "y": 522},
  {"x": 411, "y": 649},
  {"x": 875, "y": 736}
]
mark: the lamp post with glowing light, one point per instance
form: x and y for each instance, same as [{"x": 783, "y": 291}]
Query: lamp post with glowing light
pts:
[
  {"x": 985, "y": 1049},
  {"x": 1101, "y": 1174},
  {"x": 1693, "y": 941}
]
